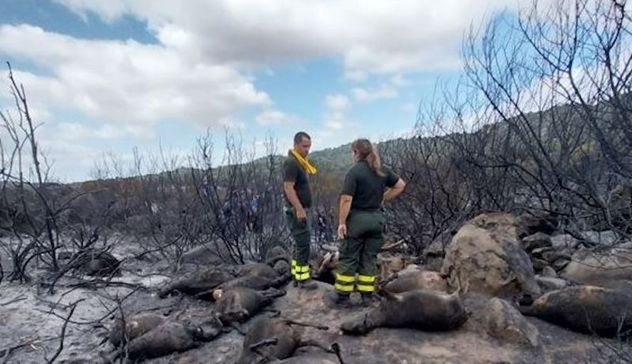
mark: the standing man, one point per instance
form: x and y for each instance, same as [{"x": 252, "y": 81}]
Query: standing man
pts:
[{"x": 298, "y": 200}]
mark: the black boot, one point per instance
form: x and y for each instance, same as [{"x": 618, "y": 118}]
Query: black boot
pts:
[
  {"x": 337, "y": 300},
  {"x": 308, "y": 285},
  {"x": 369, "y": 299}
]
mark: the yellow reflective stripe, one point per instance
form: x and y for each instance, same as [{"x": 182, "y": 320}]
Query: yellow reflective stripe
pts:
[
  {"x": 294, "y": 263},
  {"x": 363, "y": 288},
  {"x": 366, "y": 279},
  {"x": 301, "y": 276},
  {"x": 344, "y": 279},
  {"x": 302, "y": 268},
  {"x": 343, "y": 288}
]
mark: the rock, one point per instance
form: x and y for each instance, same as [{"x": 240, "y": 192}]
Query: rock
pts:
[
  {"x": 434, "y": 253},
  {"x": 486, "y": 257},
  {"x": 602, "y": 238},
  {"x": 532, "y": 223},
  {"x": 537, "y": 240},
  {"x": 551, "y": 256},
  {"x": 564, "y": 241},
  {"x": 504, "y": 322},
  {"x": 539, "y": 264},
  {"x": 551, "y": 283},
  {"x": 434, "y": 263},
  {"x": 549, "y": 272},
  {"x": 597, "y": 265},
  {"x": 539, "y": 252},
  {"x": 560, "y": 264}
]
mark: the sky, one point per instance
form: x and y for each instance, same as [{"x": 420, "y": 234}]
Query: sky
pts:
[{"x": 103, "y": 77}]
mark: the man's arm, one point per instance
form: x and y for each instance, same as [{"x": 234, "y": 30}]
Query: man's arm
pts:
[
  {"x": 345, "y": 206},
  {"x": 394, "y": 191},
  {"x": 290, "y": 193}
]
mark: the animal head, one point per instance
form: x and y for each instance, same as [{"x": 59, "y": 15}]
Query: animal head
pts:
[
  {"x": 275, "y": 254},
  {"x": 217, "y": 294},
  {"x": 356, "y": 326},
  {"x": 235, "y": 316},
  {"x": 196, "y": 332},
  {"x": 391, "y": 265}
]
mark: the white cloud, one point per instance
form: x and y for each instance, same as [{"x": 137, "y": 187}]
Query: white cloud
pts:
[
  {"x": 335, "y": 124},
  {"x": 198, "y": 70},
  {"x": 366, "y": 95},
  {"x": 376, "y": 36},
  {"x": 335, "y": 119},
  {"x": 337, "y": 103},
  {"x": 275, "y": 117},
  {"x": 355, "y": 75},
  {"x": 127, "y": 84},
  {"x": 76, "y": 132}
]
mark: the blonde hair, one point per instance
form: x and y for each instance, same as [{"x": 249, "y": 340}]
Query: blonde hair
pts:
[{"x": 366, "y": 152}]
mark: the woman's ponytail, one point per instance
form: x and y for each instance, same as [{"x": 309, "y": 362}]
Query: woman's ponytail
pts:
[{"x": 365, "y": 151}]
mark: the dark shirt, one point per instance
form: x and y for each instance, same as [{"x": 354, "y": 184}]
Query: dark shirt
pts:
[
  {"x": 292, "y": 172},
  {"x": 366, "y": 187}
]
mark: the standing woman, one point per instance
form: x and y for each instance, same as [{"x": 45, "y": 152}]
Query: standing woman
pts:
[{"x": 367, "y": 186}]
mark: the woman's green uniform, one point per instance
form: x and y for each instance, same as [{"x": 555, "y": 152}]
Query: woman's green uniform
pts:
[{"x": 365, "y": 223}]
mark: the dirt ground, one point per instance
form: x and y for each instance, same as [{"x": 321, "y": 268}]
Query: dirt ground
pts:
[{"x": 31, "y": 322}]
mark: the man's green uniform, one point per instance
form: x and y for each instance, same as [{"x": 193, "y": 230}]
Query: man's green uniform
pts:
[
  {"x": 358, "y": 251},
  {"x": 292, "y": 172}
]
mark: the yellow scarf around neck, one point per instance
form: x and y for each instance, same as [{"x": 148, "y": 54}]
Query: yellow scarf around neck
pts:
[{"x": 304, "y": 163}]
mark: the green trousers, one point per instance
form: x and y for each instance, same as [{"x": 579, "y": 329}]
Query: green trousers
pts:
[
  {"x": 358, "y": 251},
  {"x": 301, "y": 232}
]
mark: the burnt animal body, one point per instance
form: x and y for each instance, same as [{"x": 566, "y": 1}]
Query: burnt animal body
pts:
[
  {"x": 197, "y": 282},
  {"x": 273, "y": 339},
  {"x": 240, "y": 303},
  {"x": 587, "y": 309},
  {"x": 416, "y": 280},
  {"x": 422, "y": 310},
  {"x": 135, "y": 326},
  {"x": 170, "y": 337},
  {"x": 256, "y": 276},
  {"x": 257, "y": 269},
  {"x": 276, "y": 254},
  {"x": 95, "y": 262}
]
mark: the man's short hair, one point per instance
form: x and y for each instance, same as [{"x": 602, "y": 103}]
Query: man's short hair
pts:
[{"x": 298, "y": 137}]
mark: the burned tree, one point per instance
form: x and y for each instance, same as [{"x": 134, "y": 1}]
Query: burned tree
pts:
[{"x": 240, "y": 198}]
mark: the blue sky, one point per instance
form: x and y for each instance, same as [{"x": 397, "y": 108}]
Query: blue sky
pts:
[{"x": 108, "y": 76}]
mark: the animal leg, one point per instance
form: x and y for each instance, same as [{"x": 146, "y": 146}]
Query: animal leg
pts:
[
  {"x": 306, "y": 324},
  {"x": 265, "y": 342},
  {"x": 273, "y": 293},
  {"x": 273, "y": 313},
  {"x": 336, "y": 348},
  {"x": 237, "y": 328},
  {"x": 317, "y": 344}
]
